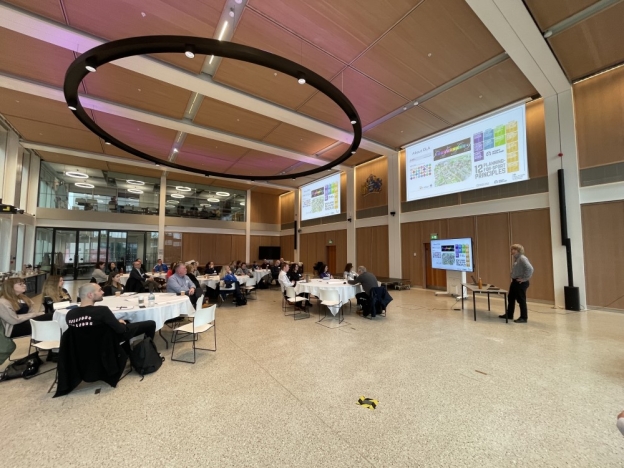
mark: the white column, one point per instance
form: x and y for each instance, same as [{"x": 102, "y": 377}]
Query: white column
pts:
[
  {"x": 351, "y": 237},
  {"x": 248, "y": 227},
  {"x": 29, "y": 245},
  {"x": 297, "y": 235},
  {"x": 561, "y": 138},
  {"x": 33, "y": 184},
  {"x": 161, "y": 215},
  {"x": 6, "y": 222},
  {"x": 394, "y": 220},
  {"x": 19, "y": 247},
  {"x": 10, "y": 168}
]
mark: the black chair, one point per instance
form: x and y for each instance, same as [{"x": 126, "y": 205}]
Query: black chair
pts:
[{"x": 89, "y": 354}]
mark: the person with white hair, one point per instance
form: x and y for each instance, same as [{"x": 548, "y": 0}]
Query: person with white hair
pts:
[{"x": 521, "y": 272}]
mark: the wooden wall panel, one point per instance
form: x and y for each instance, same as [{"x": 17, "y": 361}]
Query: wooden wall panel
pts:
[
  {"x": 536, "y": 139},
  {"x": 378, "y": 168},
  {"x": 173, "y": 247},
  {"x": 190, "y": 246},
  {"x": 313, "y": 248},
  {"x": 287, "y": 208},
  {"x": 238, "y": 249},
  {"x": 265, "y": 208},
  {"x": 461, "y": 227},
  {"x": 287, "y": 244},
  {"x": 372, "y": 249},
  {"x": 531, "y": 229},
  {"x": 223, "y": 249},
  {"x": 493, "y": 260},
  {"x": 207, "y": 247},
  {"x": 603, "y": 225},
  {"x": 599, "y": 115},
  {"x": 412, "y": 253}
]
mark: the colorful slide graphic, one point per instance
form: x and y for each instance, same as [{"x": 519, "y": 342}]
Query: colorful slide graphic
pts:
[
  {"x": 321, "y": 198},
  {"x": 489, "y": 152},
  {"x": 452, "y": 254}
]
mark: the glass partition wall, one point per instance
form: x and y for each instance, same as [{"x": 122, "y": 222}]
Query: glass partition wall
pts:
[
  {"x": 204, "y": 202},
  {"x": 73, "y": 253}
]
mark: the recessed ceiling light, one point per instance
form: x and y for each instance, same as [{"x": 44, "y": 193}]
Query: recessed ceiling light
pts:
[
  {"x": 76, "y": 174},
  {"x": 223, "y": 30},
  {"x": 415, "y": 103},
  {"x": 231, "y": 13},
  {"x": 183, "y": 189},
  {"x": 301, "y": 78},
  {"x": 239, "y": 1},
  {"x": 84, "y": 185},
  {"x": 90, "y": 65},
  {"x": 223, "y": 194},
  {"x": 175, "y": 150},
  {"x": 353, "y": 152},
  {"x": 107, "y": 142},
  {"x": 173, "y": 202},
  {"x": 547, "y": 34},
  {"x": 177, "y": 195},
  {"x": 405, "y": 108},
  {"x": 135, "y": 190},
  {"x": 72, "y": 108},
  {"x": 190, "y": 51},
  {"x": 353, "y": 122},
  {"x": 135, "y": 182},
  {"x": 213, "y": 200}
]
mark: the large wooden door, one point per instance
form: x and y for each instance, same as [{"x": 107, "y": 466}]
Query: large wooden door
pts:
[
  {"x": 331, "y": 261},
  {"x": 435, "y": 279}
]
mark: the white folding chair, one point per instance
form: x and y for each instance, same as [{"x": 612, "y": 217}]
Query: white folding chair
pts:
[
  {"x": 222, "y": 289},
  {"x": 250, "y": 285},
  {"x": 203, "y": 320},
  {"x": 331, "y": 298},
  {"x": 45, "y": 336},
  {"x": 292, "y": 298}
]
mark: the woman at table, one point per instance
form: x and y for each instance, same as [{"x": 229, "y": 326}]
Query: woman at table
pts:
[
  {"x": 191, "y": 272},
  {"x": 293, "y": 273},
  {"x": 98, "y": 273},
  {"x": 16, "y": 309},
  {"x": 174, "y": 265},
  {"x": 112, "y": 268},
  {"x": 53, "y": 292},
  {"x": 227, "y": 276},
  {"x": 244, "y": 271},
  {"x": 210, "y": 269},
  {"x": 325, "y": 274},
  {"x": 113, "y": 285},
  {"x": 348, "y": 272}
]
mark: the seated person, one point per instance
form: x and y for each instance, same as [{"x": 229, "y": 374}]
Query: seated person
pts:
[
  {"x": 243, "y": 270},
  {"x": 113, "y": 285},
  {"x": 293, "y": 273},
  {"x": 98, "y": 273},
  {"x": 160, "y": 267},
  {"x": 141, "y": 268},
  {"x": 324, "y": 272},
  {"x": 210, "y": 269},
  {"x": 179, "y": 282},
  {"x": 349, "y": 274},
  {"x": 368, "y": 282},
  {"x": 276, "y": 269},
  {"x": 265, "y": 265},
  {"x": 191, "y": 272},
  {"x": 89, "y": 314},
  {"x": 171, "y": 270},
  {"x": 53, "y": 292},
  {"x": 227, "y": 276},
  {"x": 255, "y": 266},
  {"x": 285, "y": 282},
  {"x": 16, "y": 309},
  {"x": 138, "y": 281},
  {"x": 112, "y": 268}
]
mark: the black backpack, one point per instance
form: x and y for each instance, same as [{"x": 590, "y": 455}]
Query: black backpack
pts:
[
  {"x": 262, "y": 284},
  {"x": 241, "y": 300},
  {"x": 145, "y": 358}
]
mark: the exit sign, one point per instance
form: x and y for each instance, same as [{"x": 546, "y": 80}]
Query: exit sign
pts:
[{"x": 434, "y": 236}]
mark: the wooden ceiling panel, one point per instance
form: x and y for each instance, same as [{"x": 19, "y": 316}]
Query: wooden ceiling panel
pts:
[
  {"x": 549, "y": 13},
  {"x": 406, "y": 127},
  {"x": 207, "y": 154},
  {"x": 491, "y": 89},
  {"x": 437, "y": 42},
  {"x": 209, "y": 181},
  {"x": 344, "y": 28},
  {"x": 297, "y": 139},
  {"x": 153, "y": 140},
  {"x": 260, "y": 164},
  {"x": 204, "y": 163},
  {"x": 135, "y": 90},
  {"x": 117, "y": 19},
  {"x": 324, "y": 109},
  {"x": 47, "y": 8},
  {"x": 359, "y": 157},
  {"x": 38, "y": 109},
  {"x": 232, "y": 119},
  {"x": 43, "y": 63},
  {"x": 591, "y": 45},
  {"x": 272, "y": 191},
  {"x": 56, "y": 135}
]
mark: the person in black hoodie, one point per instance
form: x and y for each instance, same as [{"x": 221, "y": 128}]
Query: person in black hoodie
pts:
[{"x": 210, "y": 269}]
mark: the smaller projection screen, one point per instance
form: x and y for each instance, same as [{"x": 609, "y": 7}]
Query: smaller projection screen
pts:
[
  {"x": 321, "y": 198},
  {"x": 452, "y": 254}
]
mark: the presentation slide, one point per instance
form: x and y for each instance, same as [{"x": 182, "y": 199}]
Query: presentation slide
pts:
[
  {"x": 452, "y": 254},
  {"x": 321, "y": 198},
  {"x": 491, "y": 151}
]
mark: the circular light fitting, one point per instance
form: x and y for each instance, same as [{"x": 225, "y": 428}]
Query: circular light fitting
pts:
[
  {"x": 84, "y": 185},
  {"x": 135, "y": 182},
  {"x": 181, "y": 188},
  {"x": 213, "y": 200},
  {"x": 135, "y": 190},
  {"x": 223, "y": 194},
  {"x": 76, "y": 175},
  {"x": 173, "y": 202},
  {"x": 177, "y": 195}
]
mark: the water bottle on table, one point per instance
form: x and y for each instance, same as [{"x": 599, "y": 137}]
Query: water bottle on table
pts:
[{"x": 151, "y": 299}]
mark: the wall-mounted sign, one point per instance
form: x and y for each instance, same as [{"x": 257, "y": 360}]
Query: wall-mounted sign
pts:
[
  {"x": 434, "y": 236},
  {"x": 330, "y": 241},
  {"x": 372, "y": 184}
]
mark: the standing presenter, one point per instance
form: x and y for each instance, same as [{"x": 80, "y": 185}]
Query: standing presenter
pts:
[{"x": 521, "y": 272}]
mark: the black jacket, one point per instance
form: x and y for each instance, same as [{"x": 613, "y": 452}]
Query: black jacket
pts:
[
  {"x": 380, "y": 298},
  {"x": 136, "y": 282}
]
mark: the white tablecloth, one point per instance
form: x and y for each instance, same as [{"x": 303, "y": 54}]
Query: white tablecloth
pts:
[
  {"x": 259, "y": 274},
  {"x": 212, "y": 281},
  {"x": 345, "y": 291},
  {"x": 167, "y": 306},
  {"x": 123, "y": 279}
]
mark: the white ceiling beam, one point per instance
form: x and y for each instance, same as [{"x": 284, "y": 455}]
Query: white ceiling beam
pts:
[
  {"x": 63, "y": 36},
  {"x": 511, "y": 24},
  {"x": 136, "y": 163},
  {"x": 100, "y": 105}
]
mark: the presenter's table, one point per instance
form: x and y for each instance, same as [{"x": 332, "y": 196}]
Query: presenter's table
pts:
[{"x": 485, "y": 290}]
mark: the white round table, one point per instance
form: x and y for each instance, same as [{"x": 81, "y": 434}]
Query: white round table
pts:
[
  {"x": 123, "y": 279},
  {"x": 212, "y": 281},
  {"x": 259, "y": 274},
  {"x": 345, "y": 291},
  {"x": 126, "y": 307}
]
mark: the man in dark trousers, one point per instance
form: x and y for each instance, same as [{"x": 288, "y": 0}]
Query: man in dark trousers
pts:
[
  {"x": 368, "y": 282},
  {"x": 138, "y": 281},
  {"x": 521, "y": 272}
]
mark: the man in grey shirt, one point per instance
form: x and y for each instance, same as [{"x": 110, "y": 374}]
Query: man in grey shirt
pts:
[
  {"x": 366, "y": 279},
  {"x": 179, "y": 282},
  {"x": 521, "y": 272}
]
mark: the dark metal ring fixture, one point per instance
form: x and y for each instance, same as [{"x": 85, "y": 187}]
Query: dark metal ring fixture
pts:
[{"x": 188, "y": 45}]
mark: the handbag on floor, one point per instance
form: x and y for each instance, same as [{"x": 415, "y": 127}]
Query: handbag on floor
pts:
[
  {"x": 145, "y": 358},
  {"x": 25, "y": 367}
]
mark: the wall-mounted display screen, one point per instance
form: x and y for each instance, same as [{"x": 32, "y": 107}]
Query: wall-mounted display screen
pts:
[
  {"x": 491, "y": 151},
  {"x": 321, "y": 198},
  {"x": 452, "y": 254}
]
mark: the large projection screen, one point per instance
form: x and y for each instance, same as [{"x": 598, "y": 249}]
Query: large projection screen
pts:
[
  {"x": 491, "y": 151},
  {"x": 321, "y": 198}
]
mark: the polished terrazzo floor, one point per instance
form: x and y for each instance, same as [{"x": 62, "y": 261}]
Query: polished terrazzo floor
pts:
[{"x": 452, "y": 393}]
